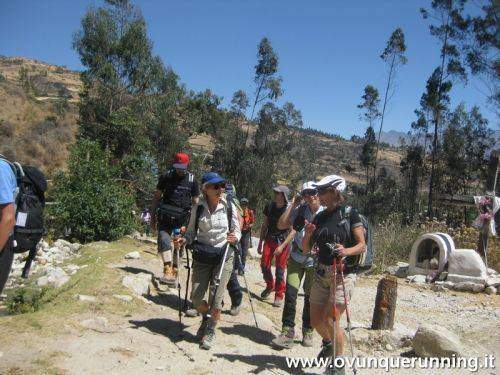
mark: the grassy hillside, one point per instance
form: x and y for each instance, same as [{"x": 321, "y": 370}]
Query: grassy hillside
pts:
[{"x": 39, "y": 112}]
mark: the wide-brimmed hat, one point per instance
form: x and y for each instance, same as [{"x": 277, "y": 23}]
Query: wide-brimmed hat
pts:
[{"x": 282, "y": 189}]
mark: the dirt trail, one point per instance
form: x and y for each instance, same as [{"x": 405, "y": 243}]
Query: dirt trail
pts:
[{"x": 144, "y": 336}]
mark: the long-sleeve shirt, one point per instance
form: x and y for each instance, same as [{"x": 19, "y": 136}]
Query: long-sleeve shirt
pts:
[{"x": 212, "y": 227}]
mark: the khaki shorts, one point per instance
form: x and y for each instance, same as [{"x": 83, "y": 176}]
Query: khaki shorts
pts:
[
  {"x": 322, "y": 285},
  {"x": 204, "y": 276}
]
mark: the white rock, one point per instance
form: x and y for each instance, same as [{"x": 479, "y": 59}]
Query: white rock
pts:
[
  {"x": 66, "y": 250},
  {"x": 492, "y": 272},
  {"x": 72, "y": 269},
  {"x": 99, "y": 324},
  {"x": 139, "y": 283},
  {"x": 466, "y": 265},
  {"x": 436, "y": 341},
  {"x": 468, "y": 287},
  {"x": 59, "y": 282},
  {"x": 491, "y": 290},
  {"x": 417, "y": 279},
  {"x": 84, "y": 298},
  {"x": 61, "y": 243},
  {"x": 264, "y": 322},
  {"x": 133, "y": 255},
  {"x": 42, "y": 281},
  {"x": 75, "y": 247},
  {"x": 123, "y": 297},
  {"x": 493, "y": 281}
]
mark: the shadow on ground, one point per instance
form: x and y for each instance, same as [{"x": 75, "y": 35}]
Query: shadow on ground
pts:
[
  {"x": 135, "y": 270},
  {"x": 169, "y": 328},
  {"x": 252, "y": 333},
  {"x": 261, "y": 362}
]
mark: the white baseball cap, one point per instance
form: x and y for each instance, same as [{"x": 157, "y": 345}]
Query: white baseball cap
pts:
[
  {"x": 309, "y": 185},
  {"x": 334, "y": 181}
]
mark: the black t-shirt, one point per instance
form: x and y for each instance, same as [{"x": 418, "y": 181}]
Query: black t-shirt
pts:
[
  {"x": 331, "y": 228},
  {"x": 273, "y": 214},
  {"x": 178, "y": 190}
]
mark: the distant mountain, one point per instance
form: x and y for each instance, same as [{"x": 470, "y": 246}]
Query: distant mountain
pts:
[{"x": 393, "y": 138}]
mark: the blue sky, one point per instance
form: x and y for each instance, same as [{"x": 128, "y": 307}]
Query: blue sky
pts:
[{"x": 328, "y": 50}]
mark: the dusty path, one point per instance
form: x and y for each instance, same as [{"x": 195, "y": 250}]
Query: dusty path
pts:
[{"x": 144, "y": 336}]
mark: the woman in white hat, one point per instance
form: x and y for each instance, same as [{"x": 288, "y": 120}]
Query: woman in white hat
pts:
[{"x": 326, "y": 232}]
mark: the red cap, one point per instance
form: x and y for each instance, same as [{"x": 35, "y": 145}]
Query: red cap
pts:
[{"x": 181, "y": 160}]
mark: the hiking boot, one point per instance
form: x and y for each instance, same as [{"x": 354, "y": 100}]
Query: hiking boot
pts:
[
  {"x": 307, "y": 337},
  {"x": 208, "y": 339},
  {"x": 192, "y": 313},
  {"x": 285, "y": 339},
  {"x": 332, "y": 370},
  {"x": 241, "y": 272},
  {"x": 278, "y": 302},
  {"x": 326, "y": 350},
  {"x": 169, "y": 274},
  {"x": 266, "y": 293},
  {"x": 202, "y": 328},
  {"x": 235, "y": 310}
]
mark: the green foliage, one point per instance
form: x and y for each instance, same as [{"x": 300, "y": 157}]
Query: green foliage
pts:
[
  {"x": 91, "y": 203},
  {"x": 2, "y": 78},
  {"x": 26, "y": 300}
]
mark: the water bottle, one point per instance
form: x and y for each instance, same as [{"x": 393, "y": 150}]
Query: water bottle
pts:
[{"x": 177, "y": 235}]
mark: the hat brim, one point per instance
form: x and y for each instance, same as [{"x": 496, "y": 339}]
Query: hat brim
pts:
[
  {"x": 180, "y": 166},
  {"x": 216, "y": 180}
]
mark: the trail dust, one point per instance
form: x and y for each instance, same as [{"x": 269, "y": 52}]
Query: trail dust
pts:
[{"x": 112, "y": 336}]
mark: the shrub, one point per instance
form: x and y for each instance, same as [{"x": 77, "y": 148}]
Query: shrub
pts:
[
  {"x": 26, "y": 300},
  {"x": 91, "y": 204}
]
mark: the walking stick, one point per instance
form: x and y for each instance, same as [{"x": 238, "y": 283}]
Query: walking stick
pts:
[
  {"x": 248, "y": 290},
  {"x": 188, "y": 266},
  {"x": 177, "y": 279},
  {"x": 334, "y": 338},
  {"x": 348, "y": 316},
  {"x": 217, "y": 280}
]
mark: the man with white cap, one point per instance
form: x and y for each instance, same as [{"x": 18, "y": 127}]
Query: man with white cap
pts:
[
  {"x": 300, "y": 266},
  {"x": 270, "y": 238},
  {"x": 326, "y": 232}
]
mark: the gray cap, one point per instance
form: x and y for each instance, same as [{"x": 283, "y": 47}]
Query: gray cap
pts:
[{"x": 282, "y": 189}]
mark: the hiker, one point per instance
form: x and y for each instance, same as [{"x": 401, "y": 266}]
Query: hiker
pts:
[
  {"x": 246, "y": 233},
  {"x": 270, "y": 238},
  {"x": 300, "y": 266},
  {"x": 213, "y": 225},
  {"x": 146, "y": 220},
  {"x": 175, "y": 192},
  {"x": 324, "y": 232},
  {"x": 8, "y": 193}
]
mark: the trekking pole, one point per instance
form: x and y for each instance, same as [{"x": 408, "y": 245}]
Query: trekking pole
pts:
[
  {"x": 348, "y": 316},
  {"x": 217, "y": 280},
  {"x": 29, "y": 261},
  {"x": 248, "y": 290},
  {"x": 188, "y": 266},
  {"x": 334, "y": 338},
  {"x": 177, "y": 279}
]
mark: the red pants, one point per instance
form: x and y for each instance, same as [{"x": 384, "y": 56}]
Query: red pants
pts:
[{"x": 280, "y": 262}]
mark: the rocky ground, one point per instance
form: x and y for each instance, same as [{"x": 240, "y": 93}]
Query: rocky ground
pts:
[{"x": 103, "y": 313}]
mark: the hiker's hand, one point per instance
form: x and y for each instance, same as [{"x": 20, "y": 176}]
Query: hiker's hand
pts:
[
  {"x": 278, "y": 250},
  {"x": 231, "y": 238},
  {"x": 309, "y": 228},
  {"x": 297, "y": 200},
  {"x": 341, "y": 250},
  {"x": 181, "y": 241}
]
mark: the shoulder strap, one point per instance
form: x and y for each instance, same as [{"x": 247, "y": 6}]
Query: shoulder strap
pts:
[
  {"x": 17, "y": 169},
  {"x": 199, "y": 211}
]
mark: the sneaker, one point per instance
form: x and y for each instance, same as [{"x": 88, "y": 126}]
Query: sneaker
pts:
[
  {"x": 266, "y": 293},
  {"x": 202, "y": 328},
  {"x": 208, "y": 339},
  {"x": 278, "y": 302},
  {"x": 307, "y": 337},
  {"x": 326, "y": 350},
  {"x": 285, "y": 340},
  {"x": 192, "y": 313},
  {"x": 235, "y": 310}
]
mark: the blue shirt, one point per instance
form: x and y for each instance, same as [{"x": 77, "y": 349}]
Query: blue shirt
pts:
[{"x": 8, "y": 185}]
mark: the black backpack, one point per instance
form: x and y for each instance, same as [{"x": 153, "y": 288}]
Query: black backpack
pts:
[
  {"x": 30, "y": 204},
  {"x": 364, "y": 260},
  {"x": 205, "y": 253}
]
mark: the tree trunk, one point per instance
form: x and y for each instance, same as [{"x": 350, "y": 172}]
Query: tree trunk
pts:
[{"x": 385, "y": 303}]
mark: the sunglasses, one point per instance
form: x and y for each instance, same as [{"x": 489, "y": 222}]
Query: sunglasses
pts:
[
  {"x": 323, "y": 190},
  {"x": 217, "y": 186},
  {"x": 310, "y": 193}
]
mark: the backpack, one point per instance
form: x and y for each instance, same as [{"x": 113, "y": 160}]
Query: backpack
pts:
[
  {"x": 205, "y": 253},
  {"x": 30, "y": 203},
  {"x": 365, "y": 260},
  {"x": 170, "y": 215}
]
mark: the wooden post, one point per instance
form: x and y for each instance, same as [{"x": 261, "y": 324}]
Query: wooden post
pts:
[{"x": 385, "y": 303}]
